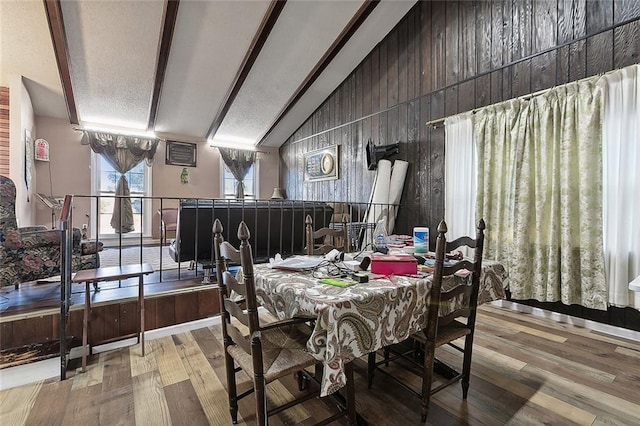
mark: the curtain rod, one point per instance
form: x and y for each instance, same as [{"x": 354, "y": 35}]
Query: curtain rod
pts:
[
  {"x": 523, "y": 97},
  {"x": 162, "y": 137},
  {"x": 122, "y": 132}
]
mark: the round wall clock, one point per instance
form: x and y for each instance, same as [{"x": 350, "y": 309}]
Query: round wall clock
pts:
[{"x": 327, "y": 163}]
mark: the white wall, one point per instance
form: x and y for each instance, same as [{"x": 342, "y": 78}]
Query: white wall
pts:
[
  {"x": 70, "y": 170},
  {"x": 21, "y": 118}
]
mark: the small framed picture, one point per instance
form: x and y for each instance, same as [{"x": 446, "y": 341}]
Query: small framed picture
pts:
[
  {"x": 321, "y": 164},
  {"x": 181, "y": 154},
  {"x": 42, "y": 150}
]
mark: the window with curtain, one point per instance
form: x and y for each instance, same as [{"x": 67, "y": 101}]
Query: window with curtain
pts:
[
  {"x": 512, "y": 135},
  {"x": 122, "y": 153},
  {"x": 105, "y": 180},
  {"x": 239, "y": 162},
  {"x": 230, "y": 183}
]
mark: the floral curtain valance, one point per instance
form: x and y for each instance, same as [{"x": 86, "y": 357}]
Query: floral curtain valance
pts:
[
  {"x": 123, "y": 153},
  {"x": 121, "y": 150},
  {"x": 239, "y": 162}
]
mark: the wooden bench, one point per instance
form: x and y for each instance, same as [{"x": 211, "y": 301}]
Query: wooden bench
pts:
[{"x": 112, "y": 273}]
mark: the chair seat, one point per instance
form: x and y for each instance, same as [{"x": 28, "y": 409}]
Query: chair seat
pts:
[
  {"x": 448, "y": 333},
  {"x": 283, "y": 351}
]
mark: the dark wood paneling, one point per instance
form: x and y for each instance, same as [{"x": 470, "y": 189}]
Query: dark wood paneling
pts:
[
  {"x": 453, "y": 56},
  {"x": 467, "y": 41},
  {"x": 466, "y": 96},
  {"x": 426, "y": 46},
  {"x": 545, "y": 17},
  {"x": 577, "y": 61},
  {"x": 599, "y": 15},
  {"x": 543, "y": 71},
  {"x": 499, "y": 25},
  {"x": 626, "y": 45},
  {"x": 450, "y": 101},
  {"x": 439, "y": 68},
  {"x": 600, "y": 50},
  {"x": 625, "y": 9},
  {"x": 482, "y": 91},
  {"x": 472, "y": 50},
  {"x": 112, "y": 320},
  {"x": 130, "y": 317},
  {"x": 521, "y": 78},
  {"x": 484, "y": 26}
]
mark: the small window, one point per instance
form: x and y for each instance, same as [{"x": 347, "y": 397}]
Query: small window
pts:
[{"x": 229, "y": 183}]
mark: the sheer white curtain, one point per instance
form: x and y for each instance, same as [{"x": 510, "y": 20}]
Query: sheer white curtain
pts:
[
  {"x": 621, "y": 174},
  {"x": 460, "y": 172}
]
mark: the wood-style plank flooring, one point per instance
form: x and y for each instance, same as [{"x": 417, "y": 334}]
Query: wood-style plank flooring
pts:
[{"x": 526, "y": 370}]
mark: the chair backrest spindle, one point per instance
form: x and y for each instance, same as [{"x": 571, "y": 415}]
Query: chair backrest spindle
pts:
[{"x": 339, "y": 237}]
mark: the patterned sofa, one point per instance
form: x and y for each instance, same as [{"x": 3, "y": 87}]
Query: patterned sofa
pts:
[{"x": 33, "y": 253}]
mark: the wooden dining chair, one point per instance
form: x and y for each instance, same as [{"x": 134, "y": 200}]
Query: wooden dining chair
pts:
[
  {"x": 265, "y": 352},
  {"x": 443, "y": 329},
  {"x": 332, "y": 238},
  {"x": 168, "y": 223}
]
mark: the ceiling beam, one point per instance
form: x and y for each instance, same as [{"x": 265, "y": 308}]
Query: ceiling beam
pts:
[
  {"x": 260, "y": 38},
  {"x": 170, "y": 15},
  {"x": 343, "y": 38},
  {"x": 61, "y": 50}
]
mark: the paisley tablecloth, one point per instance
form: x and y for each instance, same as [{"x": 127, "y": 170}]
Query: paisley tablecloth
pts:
[{"x": 356, "y": 320}]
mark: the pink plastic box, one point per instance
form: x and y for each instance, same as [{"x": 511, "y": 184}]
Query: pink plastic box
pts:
[{"x": 388, "y": 264}]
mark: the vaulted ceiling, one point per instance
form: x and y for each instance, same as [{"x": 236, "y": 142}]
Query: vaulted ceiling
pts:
[{"x": 230, "y": 71}]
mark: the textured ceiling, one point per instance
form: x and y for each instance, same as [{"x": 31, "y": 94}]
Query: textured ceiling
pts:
[{"x": 213, "y": 85}]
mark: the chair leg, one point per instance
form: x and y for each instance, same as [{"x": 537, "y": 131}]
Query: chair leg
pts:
[
  {"x": 231, "y": 388},
  {"x": 386, "y": 351},
  {"x": 351, "y": 394},
  {"x": 466, "y": 365},
  {"x": 427, "y": 377},
  {"x": 371, "y": 368},
  {"x": 318, "y": 371},
  {"x": 303, "y": 381},
  {"x": 261, "y": 400}
]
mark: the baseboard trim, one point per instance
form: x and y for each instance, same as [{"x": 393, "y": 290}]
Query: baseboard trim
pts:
[{"x": 568, "y": 319}]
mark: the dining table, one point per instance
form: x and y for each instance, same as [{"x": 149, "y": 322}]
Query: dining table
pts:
[{"x": 354, "y": 320}]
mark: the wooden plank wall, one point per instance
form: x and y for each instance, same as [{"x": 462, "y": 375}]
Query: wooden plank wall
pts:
[
  {"x": 4, "y": 131},
  {"x": 112, "y": 320},
  {"x": 444, "y": 58}
]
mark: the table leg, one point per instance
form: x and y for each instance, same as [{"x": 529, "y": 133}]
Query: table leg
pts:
[
  {"x": 85, "y": 326},
  {"x": 141, "y": 304}
]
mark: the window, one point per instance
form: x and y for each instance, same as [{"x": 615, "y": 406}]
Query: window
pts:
[
  {"x": 104, "y": 181},
  {"x": 229, "y": 183}
]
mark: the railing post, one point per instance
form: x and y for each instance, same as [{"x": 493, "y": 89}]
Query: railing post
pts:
[{"x": 66, "y": 244}]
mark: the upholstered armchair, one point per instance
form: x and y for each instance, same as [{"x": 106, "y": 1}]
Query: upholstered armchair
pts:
[{"x": 34, "y": 252}]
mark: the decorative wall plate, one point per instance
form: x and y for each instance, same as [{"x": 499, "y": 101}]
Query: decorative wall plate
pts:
[{"x": 321, "y": 164}]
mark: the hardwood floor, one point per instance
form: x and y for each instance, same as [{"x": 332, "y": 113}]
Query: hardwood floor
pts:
[{"x": 526, "y": 370}]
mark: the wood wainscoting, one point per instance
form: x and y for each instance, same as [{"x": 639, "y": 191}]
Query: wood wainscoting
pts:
[{"x": 112, "y": 317}]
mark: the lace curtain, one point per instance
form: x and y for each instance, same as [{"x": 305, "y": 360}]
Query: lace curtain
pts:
[
  {"x": 460, "y": 170},
  {"x": 123, "y": 153},
  {"x": 540, "y": 192},
  {"x": 621, "y": 160},
  {"x": 239, "y": 162}
]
